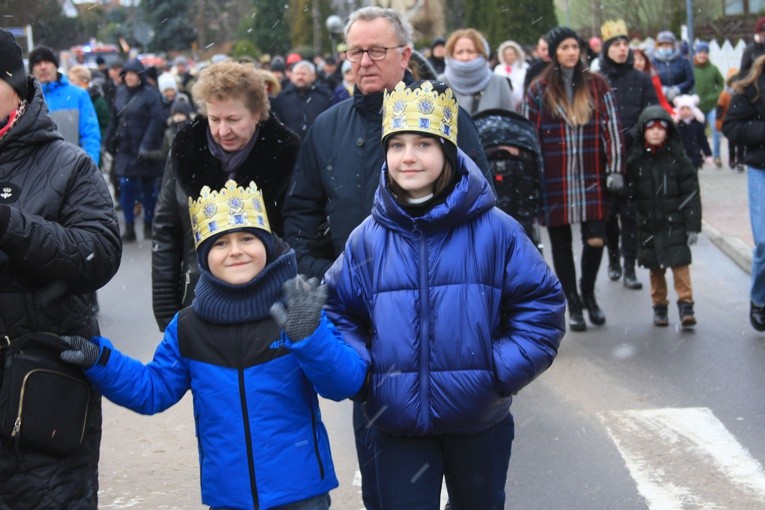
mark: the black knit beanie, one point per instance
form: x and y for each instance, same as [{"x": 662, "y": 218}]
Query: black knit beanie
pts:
[
  {"x": 12, "y": 65},
  {"x": 41, "y": 54},
  {"x": 556, "y": 36}
]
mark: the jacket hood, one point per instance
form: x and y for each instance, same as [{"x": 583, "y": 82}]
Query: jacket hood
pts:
[
  {"x": 33, "y": 128},
  {"x": 656, "y": 112},
  {"x": 471, "y": 197},
  {"x": 511, "y": 44},
  {"x": 135, "y": 66}
]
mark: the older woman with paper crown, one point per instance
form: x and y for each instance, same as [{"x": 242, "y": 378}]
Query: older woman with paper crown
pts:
[{"x": 451, "y": 305}]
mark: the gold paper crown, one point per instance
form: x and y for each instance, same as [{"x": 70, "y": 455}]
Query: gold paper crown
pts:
[
  {"x": 423, "y": 110},
  {"x": 613, "y": 28},
  {"x": 233, "y": 207}
]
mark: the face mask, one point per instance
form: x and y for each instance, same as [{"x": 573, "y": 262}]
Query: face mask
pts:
[{"x": 664, "y": 52}]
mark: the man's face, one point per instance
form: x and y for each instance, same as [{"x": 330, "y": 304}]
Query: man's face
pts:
[
  {"x": 374, "y": 76},
  {"x": 45, "y": 71},
  {"x": 542, "y": 50},
  {"x": 302, "y": 77},
  {"x": 619, "y": 51},
  {"x": 114, "y": 74},
  {"x": 132, "y": 79}
]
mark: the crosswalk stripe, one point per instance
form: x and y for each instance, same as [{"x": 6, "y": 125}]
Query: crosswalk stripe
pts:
[{"x": 685, "y": 458}]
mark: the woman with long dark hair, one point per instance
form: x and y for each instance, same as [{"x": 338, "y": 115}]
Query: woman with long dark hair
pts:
[{"x": 576, "y": 119}]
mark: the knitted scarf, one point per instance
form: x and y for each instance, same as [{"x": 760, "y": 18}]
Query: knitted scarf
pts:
[
  {"x": 467, "y": 77},
  {"x": 230, "y": 161},
  {"x": 219, "y": 302},
  {"x": 12, "y": 119}
]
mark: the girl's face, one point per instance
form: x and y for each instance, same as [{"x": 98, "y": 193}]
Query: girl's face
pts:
[
  {"x": 639, "y": 62},
  {"x": 237, "y": 257},
  {"x": 464, "y": 50},
  {"x": 567, "y": 53},
  {"x": 414, "y": 163}
]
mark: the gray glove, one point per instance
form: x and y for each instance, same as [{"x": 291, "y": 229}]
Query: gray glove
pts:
[
  {"x": 83, "y": 352},
  {"x": 692, "y": 238},
  {"x": 615, "y": 183},
  {"x": 304, "y": 299},
  {"x": 672, "y": 92}
]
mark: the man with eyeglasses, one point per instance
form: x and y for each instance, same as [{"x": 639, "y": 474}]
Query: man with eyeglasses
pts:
[{"x": 339, "y": 163}]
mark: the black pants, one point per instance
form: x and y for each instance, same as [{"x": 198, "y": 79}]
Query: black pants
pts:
[
  {"x": 622, "y": 210},
  {"x": 563, "y": 256}
]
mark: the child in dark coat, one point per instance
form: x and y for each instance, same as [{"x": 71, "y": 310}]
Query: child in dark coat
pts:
[
  {"x": 690, "y": 124},
  {"x": 665, "y": 187}
]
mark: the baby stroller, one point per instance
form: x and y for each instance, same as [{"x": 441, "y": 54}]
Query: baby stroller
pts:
[{"x": 512, "y": 148}]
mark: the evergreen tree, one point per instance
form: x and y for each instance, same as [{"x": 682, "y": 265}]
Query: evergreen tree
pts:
[
  {"x": 522, "y": 21},
  {"x": 266, "y": 28},
  {"x": 172, "y": 24}
]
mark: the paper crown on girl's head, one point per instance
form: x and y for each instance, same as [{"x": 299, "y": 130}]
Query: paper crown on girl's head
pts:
[
  {"x": 421, "y": 108},
  {"x": 232, "y": 208},
  {"x": 613, "y": 29}
]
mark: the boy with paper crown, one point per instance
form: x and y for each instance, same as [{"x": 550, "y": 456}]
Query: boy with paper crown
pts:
[
  {"x": 253, "y": 363},
  {"x": 450, "y": 303}
]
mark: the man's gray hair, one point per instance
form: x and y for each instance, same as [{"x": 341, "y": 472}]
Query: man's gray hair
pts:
[
  {"x": 306, "y": 64},
  {"x": 401, "y": 27}
]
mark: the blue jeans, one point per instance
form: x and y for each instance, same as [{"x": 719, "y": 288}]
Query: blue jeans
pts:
[
  {"x": 711, "y": 117},
  {"x": 410, "y": 469},
  {"x": 320, "y": 502},
  {"x": 138, "y": 189},
  {"x": 756, "y": 177}
]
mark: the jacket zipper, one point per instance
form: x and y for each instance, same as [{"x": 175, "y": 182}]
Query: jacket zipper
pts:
[
  {"x": 246, "y": 420},
  {"x": 186, "y": 287},
  {"x": 424, "y": 333},
  {"x": 316, "y": 442}
]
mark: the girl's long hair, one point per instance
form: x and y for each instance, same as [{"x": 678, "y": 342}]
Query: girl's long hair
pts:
[
  {"x": 580, "y": 110},
  {"x": 753, "y": 79},
  {"x": 649, "y": 69}
]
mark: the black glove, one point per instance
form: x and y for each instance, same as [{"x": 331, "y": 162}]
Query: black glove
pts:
[
  {"x": 83, "y": 352},
  {"x": 305, "y": 300},
  {"x": 615, "y": 183}
]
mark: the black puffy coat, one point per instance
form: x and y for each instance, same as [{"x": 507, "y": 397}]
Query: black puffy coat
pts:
[
  {"x": 665, "y": 188},
  {"x": 190, "y": 166},
  {"x": 297, "y": 109},
  {"x": 61, "y": 243},
  {"x": 744, "y": 123},
  {"x": 136, "y": 127}
]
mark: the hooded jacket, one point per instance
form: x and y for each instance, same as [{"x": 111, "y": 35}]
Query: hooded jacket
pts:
[
  {"x": 337, "y": 172},
  {"x": 516, "y": 72},
  {"x": 674, "y": 71},
  {"x": 455, "y": 311},
  {"x": 60, "y": 243},
  {"x": 744, "y": 123},
  {"x": 665, "y": 188},
  {"x": 137, "y": 126}
]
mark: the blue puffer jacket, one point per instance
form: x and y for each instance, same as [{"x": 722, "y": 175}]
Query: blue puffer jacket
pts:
[
  {"x": 277, "y": 451},
  {"x": 675, "y": 71},
  {"x": 75, "y": 115},
  {"x": 456, "y": 310}
]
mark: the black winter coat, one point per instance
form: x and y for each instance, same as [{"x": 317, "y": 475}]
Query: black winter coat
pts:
[
  {"x": 190, "y": 166},
  {"x": 61, "y": 243},
  {"x": 136, "y": 128},
  {"x": 337, "y": 173},
  {"x": 665, "y": 188},
  {"x": 744, "y": 123},
  {"x": 695, "y": 141},
  {"x": 297, "y": 109},
  {"x": 751, "y": 52}
]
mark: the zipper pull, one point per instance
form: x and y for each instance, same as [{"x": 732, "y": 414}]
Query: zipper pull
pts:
[{"x": 16, "y": 427}]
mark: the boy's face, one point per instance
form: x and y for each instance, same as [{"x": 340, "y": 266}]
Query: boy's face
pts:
[
  {"x": 655, "y": 135},
  {"x": 237, "y": 257}
]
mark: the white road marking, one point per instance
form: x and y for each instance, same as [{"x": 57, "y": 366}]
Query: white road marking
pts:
[{"x": 686, "y": 458}]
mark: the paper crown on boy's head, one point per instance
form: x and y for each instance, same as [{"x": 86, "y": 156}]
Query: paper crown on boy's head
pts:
[
  {"x": 422, "y": 107},
  {"x": 232, "y": 208},
  {"x": 612, "y": 29}
]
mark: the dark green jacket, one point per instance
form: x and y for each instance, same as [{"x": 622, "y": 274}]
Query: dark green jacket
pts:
[
  {"x": 665, "y": 188},
  {"x": 709, "y": 84}
]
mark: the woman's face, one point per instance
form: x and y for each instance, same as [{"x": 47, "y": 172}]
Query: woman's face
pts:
[
  {"x": 414, "y": 163},
  {"x": 567, "y": 53},
  {"x": 9, "y": 100},
  {"x": 232, "y": 124},
  {"x": 639, "y": 62},
  {"x": 464, "y": 50},
  {"x": 510, "y": 56}
]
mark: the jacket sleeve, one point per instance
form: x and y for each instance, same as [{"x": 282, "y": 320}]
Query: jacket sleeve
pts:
[
  {"x": 335, "y": 369},
  {"x": 689, "y": 81},
  {"x": 145, "y": 389},
  {"x": 90, "y": 132},
  {"x": 742, "y": 125},
  {"x": 612, "y": 134},
  {"x": 167, "y": 251},
  {"x": 533, "y": 316},
  {"x": 690, "y": 198},
  {"x": 81, "y": 248},
  {"x": 304, "y": 209}
]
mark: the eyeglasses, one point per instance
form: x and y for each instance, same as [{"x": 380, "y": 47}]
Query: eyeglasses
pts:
[{"x": 374, "y": 53}]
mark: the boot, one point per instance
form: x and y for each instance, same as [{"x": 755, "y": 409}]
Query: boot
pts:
[
  {"x": 597, "y": 316},
  {"x": 757, "y": 316},
  {"x": 147, "y": 231},
  {"x": 686, "y": 313},
  {"x": 660, "y": 317},
  {"x": 129, "y": 234},
  {"x": 614, "y": 267},
  {"x": 575, "y": 315},
  {"x": 630, "y": 280}
]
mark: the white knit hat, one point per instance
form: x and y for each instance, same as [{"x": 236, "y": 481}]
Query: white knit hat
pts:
[
  {"x": 167, "y": 81},
  {"x": 691, "y": 102}
]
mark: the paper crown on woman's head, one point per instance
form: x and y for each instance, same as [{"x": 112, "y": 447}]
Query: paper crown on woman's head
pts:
[
  {"x": 422, "y": 107},
  {"x": 232, "y": 208}
]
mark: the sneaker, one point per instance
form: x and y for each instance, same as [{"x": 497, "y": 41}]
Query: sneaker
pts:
[
  {"x": 718, "y": 162},
  {"x": 757, "y": 317},
  {"x": 660, "y": 317},
  {"x": 685, "y": 308}
]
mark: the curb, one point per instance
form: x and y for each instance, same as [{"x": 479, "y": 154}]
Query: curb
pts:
[{"x": 736, "y": 249}]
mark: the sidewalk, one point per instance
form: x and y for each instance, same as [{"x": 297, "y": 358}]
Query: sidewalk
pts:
[{"x": 725, "y": 211}]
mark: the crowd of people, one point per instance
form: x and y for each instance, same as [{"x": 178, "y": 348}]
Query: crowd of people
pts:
[{"x": 363, "y": 225}]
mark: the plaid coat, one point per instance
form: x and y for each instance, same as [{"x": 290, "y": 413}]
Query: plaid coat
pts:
[{"x": 576, "y": 158}]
